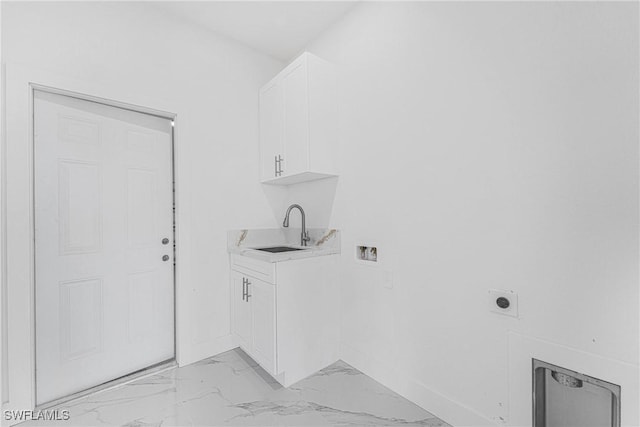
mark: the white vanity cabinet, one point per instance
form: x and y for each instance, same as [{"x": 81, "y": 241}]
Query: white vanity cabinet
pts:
[
  {"x": 285, "y": 314},
  {"x": 298, "y": 123}
]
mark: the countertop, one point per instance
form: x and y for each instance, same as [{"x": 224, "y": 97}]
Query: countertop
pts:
[{"x": 244, "y": 242}]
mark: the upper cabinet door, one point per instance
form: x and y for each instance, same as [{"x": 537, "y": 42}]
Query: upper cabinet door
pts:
[
  {"x": 271, "y": 121},
  {"x": 296, "y": 119},
  {"x": 298, "y": 122}
]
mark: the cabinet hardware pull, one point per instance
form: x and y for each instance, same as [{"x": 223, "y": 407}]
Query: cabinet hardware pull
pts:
[
  {"x": 248, "y": 294},
  {"x": 278, "y": 164},
  {"x": 245, "y": 289}
]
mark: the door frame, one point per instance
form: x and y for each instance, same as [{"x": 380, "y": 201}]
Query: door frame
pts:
[
  {"x": 17, "y": 210},
  {"x": 33, "y": 87}
]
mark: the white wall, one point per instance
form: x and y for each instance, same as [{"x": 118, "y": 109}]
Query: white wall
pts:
[
  {"x": 136, "y": 53},
  {"x": 486, "y": 145},
  {"x": 483, "y": 145}
]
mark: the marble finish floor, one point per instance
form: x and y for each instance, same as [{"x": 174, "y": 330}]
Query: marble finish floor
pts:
[{"x": 232, "y": 390}]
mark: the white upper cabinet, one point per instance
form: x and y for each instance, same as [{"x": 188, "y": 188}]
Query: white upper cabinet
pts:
[{"x": 298, "y": 122}]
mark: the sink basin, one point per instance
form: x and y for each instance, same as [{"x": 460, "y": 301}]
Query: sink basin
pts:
[{"x": 278, "y": 249}]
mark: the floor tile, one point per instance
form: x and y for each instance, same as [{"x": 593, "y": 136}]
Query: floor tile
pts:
[{"x": 232, "y": 390}]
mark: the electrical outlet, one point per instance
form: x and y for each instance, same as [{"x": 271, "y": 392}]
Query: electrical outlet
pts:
[{"x": 503, "y": 302}]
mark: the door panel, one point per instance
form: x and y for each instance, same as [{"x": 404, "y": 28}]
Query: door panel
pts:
[
  {"x": 103, "y": 204},
  {"x": 140, "y": 287},
  {"x": 79, "y": 195},
  {"x": 141, "y": 205},
  {"x": 78, "y": 130},
  {"x": 80, "y": 318}
]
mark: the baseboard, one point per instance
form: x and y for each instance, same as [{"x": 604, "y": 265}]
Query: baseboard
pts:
[
  {"x": 445, "y": 408},
  {"x": 207, "y": 349}
]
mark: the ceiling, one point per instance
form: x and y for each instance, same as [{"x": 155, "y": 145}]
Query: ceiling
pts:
[{"x": 280, "y": 29}]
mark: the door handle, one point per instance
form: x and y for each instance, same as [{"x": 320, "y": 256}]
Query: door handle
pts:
[
  {"x": 248, "y": 294},
  {"x": 165, "y": 257},
  {"x": 244, "y": 289}
]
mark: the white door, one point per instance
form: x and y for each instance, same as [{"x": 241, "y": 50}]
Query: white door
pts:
[{"x": 103, "y": 243}]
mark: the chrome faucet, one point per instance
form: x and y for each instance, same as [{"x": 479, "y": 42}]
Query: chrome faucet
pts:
[{"x": 304, "y": 236}]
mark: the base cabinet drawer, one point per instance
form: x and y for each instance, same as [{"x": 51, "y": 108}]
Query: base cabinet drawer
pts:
[{"x": 261, "y": 270}]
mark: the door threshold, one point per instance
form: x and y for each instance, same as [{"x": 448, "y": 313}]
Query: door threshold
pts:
[{"x": 109, "y": 385}]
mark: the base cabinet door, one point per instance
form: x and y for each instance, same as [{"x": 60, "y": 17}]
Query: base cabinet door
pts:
[
  {"x": 263, "y": 296},
  {"x": 242, "y": 321}
]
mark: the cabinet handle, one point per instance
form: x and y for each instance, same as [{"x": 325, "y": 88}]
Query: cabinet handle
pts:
[
  {"x": 248, "y": 294},
  {"x": 278, "y": 164},
  {"x": 244, "y": 289}
]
